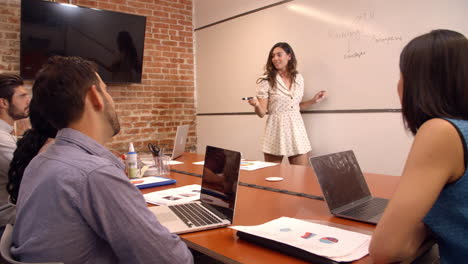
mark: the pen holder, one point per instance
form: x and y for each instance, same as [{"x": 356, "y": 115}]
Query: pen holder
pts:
[{"x": 161, "y": 163}]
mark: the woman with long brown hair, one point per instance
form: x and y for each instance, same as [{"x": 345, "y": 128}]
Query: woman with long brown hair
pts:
[{"x": 279, "y": 93}]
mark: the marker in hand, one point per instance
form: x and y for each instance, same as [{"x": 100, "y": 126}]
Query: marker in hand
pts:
[{"x": 247, "y": 98}]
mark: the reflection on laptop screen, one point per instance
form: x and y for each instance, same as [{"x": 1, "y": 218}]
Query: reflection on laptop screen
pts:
[
  {"x": 220, "y": 178},
  {"x": 340, "y": 177}
]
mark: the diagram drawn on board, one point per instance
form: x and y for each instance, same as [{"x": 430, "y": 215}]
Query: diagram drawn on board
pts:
[{"x": 357, "y": 31}]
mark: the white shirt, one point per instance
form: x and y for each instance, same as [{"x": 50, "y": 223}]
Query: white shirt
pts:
[{"x": 7, "y": 147}]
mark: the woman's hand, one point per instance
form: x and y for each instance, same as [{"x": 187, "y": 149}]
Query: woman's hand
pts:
[
  {"x": 319, "y": 96},
  {"x": 254, "y": 102},
  {"x": 260, "y": 105}
]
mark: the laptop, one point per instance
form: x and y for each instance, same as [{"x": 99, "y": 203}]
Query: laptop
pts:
[
  {"x": 179, "y": 142},
  {"x": 344, "y": 188},
  {"x": 217, "y": 197}
]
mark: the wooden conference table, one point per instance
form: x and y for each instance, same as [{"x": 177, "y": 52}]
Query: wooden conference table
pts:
[{"x": 257, "y": 205}]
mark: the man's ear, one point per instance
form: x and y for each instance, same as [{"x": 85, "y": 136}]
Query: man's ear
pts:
[
  {"x": 4, "y": 104},
  {"x": 95, "y": 98}
]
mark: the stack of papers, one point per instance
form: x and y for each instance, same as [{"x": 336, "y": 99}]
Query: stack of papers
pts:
[
  {"x": 326, "y": 241},
  {"x": 172, "y": 196}
]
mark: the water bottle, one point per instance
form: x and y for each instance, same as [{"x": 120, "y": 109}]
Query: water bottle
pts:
[{"x": 132, "y": 162}]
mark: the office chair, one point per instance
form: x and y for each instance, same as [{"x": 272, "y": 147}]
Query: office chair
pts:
[{"x": 5, "y": 244}]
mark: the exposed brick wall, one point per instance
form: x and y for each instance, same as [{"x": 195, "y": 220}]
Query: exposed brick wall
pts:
[{"x": 150, "y": 111}]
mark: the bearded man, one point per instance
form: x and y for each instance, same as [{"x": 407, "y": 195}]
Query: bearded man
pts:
[{"x": 14, "y": 105}]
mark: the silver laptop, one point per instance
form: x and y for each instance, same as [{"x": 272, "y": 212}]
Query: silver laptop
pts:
[
  {"x": 344, "y": 188},
  {"x": 179, "y": 141},
  {"x": 217, "y": 198}
]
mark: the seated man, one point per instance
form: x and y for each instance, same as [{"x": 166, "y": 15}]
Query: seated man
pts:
[
  {"x": 75, "y": 204},
  {"x": 14, "y": 105}
]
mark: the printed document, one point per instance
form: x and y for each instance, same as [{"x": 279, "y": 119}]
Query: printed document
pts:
[
  {"x": 172, "y": 196},
  {"x": 330, "y": 242}
]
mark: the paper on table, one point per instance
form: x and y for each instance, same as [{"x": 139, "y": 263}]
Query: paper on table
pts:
[
  {"x": 358, "y": 253},
  {"x": 171, "y": 196},
  {"x": 334, "y": 243},
  {"x": 250, "y": 165}
]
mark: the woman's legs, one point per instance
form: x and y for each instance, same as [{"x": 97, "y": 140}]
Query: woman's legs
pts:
[
  {"x": 272, "y": 158},
  {"x": 301, "y": 159}
]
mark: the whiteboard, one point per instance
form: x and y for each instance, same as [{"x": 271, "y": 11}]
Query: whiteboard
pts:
[{"x": 348, "y": 48}]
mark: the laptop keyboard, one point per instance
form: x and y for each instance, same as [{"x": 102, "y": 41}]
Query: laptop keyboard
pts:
[
  {"x": 192, "y": 214},
  {"x": 368, "y": 209}
]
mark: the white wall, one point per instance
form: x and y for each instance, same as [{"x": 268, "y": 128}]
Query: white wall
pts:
[{"x": 210, "y": 11}]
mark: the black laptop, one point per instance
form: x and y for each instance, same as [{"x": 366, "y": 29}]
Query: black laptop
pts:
[
  {"x": 217, "y": 198},
  {"x": 344, "y": 188}
]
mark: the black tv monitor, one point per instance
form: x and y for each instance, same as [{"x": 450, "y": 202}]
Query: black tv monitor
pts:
[{"x": 113, "y": 40}]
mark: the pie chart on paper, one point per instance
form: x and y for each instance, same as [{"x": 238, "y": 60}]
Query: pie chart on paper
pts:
[{"x": 329, "y": 240}]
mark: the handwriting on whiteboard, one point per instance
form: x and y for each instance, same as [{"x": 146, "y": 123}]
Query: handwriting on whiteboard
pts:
[{"x": 360, "y": 30}]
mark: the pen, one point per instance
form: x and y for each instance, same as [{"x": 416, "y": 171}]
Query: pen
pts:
[{"x": 247, "y": 98}]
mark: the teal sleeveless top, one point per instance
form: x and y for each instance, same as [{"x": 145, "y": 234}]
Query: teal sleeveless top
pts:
[{"x": 448, "y": 218}]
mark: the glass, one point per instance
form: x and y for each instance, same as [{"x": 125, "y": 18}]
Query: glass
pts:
[{"x": 161, "y": 163}]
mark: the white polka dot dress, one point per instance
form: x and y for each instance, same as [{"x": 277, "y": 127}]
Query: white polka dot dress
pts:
[{"x": 285, "y": 133}]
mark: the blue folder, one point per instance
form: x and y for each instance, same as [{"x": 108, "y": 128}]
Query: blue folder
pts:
[{"x": 152, "y": 181}]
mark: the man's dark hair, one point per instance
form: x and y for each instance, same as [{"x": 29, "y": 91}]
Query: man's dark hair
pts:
[
  {"x": 8, "y": 83},
  {"x": 434, "y": 67},
  {"x": 61, "y": 86}
]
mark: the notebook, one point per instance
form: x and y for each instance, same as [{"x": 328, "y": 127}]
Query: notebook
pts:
[
  {"x": 179, "y": 142},
  {"x": 344, "y": 188},
  {"x": 217, "y": 196}
]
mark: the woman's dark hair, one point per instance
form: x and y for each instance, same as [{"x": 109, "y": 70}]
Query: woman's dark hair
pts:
[
  {"x": 28, "y": 147},
  {"x": 434, "y": 69},
  {"x": 271, "y": 71}
]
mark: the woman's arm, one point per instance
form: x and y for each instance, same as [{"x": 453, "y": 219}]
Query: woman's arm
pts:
[
  {"x": 260, "y": 105},
  {"x": 307, "y": 103},
  {"x": 435, "y": 159}
]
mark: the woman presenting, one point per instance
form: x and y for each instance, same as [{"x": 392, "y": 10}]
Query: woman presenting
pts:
[{"x": 280, "y": 91}]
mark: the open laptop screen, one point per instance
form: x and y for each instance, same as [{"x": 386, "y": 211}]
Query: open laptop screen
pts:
[
  {"x": 220, "y": 179},
  {"x": 340, "y": 178},
  {"x": 179, "y": 141}
]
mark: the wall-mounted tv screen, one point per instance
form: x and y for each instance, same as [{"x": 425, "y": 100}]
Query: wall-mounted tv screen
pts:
[{"x": 113, "y": 40}]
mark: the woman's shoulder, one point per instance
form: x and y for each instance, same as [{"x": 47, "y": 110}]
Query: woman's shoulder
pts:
[
  {"x": 262, "y": 80},
  {"x": 263, "y": 77},
  {"x": 438, "y": 131},
  {"x": 440, "y": 125},
  {"x": 445, "y": 141},
  {"x": 299, "y": 78}
]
